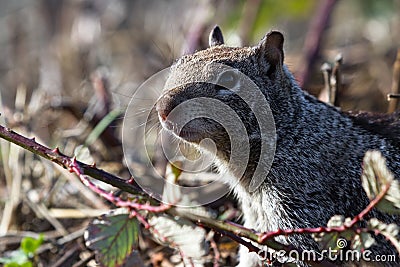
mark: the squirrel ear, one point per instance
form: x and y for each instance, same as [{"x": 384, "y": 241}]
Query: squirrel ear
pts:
[
  {"x": 271, "y": 50},
  {"x": 215, "y": 38}
]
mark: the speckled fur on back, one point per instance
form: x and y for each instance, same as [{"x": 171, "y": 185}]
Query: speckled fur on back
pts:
[{"x": 316, "y": 170}]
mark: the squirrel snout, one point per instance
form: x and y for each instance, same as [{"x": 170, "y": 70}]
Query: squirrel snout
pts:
[
  {"x": 164, "y": 107},
  {"x": 166, "y": 104}
]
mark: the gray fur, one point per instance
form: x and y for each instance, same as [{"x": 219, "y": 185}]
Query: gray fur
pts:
[{"x": 317, "y": 165}]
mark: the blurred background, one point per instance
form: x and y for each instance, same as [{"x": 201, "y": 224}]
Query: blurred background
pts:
[{"x": 65, "y": 65}]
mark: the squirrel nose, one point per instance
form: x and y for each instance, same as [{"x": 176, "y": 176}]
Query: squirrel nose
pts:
[{"x": 163, "y": 116}]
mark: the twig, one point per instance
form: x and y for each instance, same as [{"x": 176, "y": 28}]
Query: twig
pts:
[
  {"x": 74, "y": 167},
  {"x": 214, "y": 246},
  {"x": 84, "y": 261},
  {"x": 264, "y": 237},
  {"x": 337, "y": 80},
  {"x": 41, "y": 211},
  {"x": 391, "y": 238},
  {"x": 395, "y": 85},
  {"x": 314, "y": 38},
  {"x": 327, "y": 72},
  {"x": 57, "y": 157},
  {"x": 237, "y": 233},
  {"x": 68, "y": 257},
  {"x": 393, "y": 96}
]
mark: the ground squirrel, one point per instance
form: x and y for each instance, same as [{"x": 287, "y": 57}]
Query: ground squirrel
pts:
[{"x": 316, "y": 167}]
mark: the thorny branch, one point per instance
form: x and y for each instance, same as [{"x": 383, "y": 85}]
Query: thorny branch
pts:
[
  {"x": 266, "y": 236},
  {"x": 235, "y": 232},
  {"x": 57, "y": 157}
]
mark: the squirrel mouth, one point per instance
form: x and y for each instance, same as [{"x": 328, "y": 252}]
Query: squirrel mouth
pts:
[{"x": 191, "y": 132}]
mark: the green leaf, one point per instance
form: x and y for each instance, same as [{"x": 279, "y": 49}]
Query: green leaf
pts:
[
  {"x": 391, "y": 202},
  {"x": 26, "y": 264},
  {"x": 14, "y": 264},
  {"x": 29, "y": 245},
  {"x": 113, "y": 237}
]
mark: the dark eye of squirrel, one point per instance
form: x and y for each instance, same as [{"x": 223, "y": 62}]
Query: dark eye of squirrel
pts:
[{"x": 228, "y": 79}]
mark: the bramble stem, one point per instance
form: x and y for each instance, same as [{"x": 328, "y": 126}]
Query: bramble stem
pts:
[{"x": 263, "y": 237}]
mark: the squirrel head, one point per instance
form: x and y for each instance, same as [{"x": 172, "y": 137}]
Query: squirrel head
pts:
[{"x": 218, "y": 90}]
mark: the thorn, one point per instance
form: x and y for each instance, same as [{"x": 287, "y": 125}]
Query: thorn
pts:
[
  {"x": 110, "y": 194},
  {"x": 327, "y": 73},
  {"x": 56, "y": 151},
  {"x": 93, "y": 165},
  {"x": 33, "y": 139},
  {"x": 392, "y": 96},
  {"x": 132, "y": 215},
  {"x": 8, "y": 129},
  {"x": 131, "y": 180}
]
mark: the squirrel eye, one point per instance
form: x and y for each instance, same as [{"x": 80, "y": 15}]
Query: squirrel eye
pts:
[{"x": 228, "y": 79}]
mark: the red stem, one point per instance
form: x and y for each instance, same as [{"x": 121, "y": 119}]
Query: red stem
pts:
[
  {"x": 372, "y": 204},
  {"x": 265, "y": 236},
  {"x": 74, "y": 167}
]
